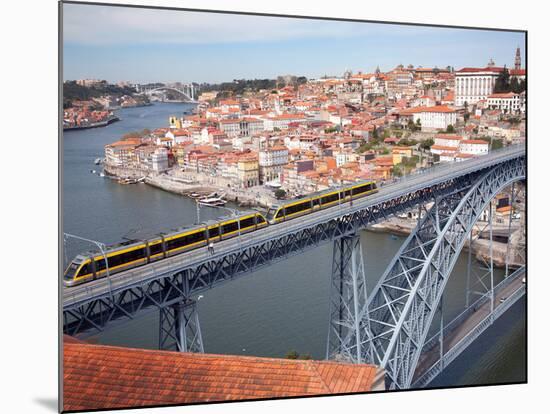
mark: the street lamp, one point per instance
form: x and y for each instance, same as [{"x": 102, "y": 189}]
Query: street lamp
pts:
[{"x": 101, "y": 247}]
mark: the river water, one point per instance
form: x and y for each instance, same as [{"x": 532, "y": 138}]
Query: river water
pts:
[{"x": 271, "y": 311}]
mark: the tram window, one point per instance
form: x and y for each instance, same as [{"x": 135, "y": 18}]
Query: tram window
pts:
[
  {"x": 329, "y": 199},
  {"x": 297, "y": 208},
  {"x": 87, "y": 268},
  {"x": 229, "y": 227},
  {"x": 281, "y": 213},
  {"x": 214, "y": 232},
  {"x": 133, "y": 255},
  {"x": 316, "y": 202},
  {"x": 247, "y": 222},
  {"x": 260, "y": 219},
  {"x": 346, "y": 193},
  {"x": 175, "y": 243},
  {"x": 194, "y": 237},
  {"x": 99, "y": 264},
  {"x": 362, "y": 189},
  {"x": 155, "y": 248}
]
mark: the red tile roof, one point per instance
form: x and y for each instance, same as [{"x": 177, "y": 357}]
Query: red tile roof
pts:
[
  {"x": 487, "y": 69},
  {"x": 98, "y": 376}
]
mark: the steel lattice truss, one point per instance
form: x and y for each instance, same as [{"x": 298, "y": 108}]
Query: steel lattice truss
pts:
[
  {"x": 348, "y": 294},
  {"x": 163, "y": 290},
  {"x": 179, "y": 327},
  {"x": 401, "y": 307}
]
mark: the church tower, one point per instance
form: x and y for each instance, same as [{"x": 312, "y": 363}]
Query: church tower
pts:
[{"x": 517, "y": 62}]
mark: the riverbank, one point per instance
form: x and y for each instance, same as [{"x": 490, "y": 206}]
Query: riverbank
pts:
[
  {"x": 99, "y": 124},
  {"x": 480, "y": 247},
  {"x": 185, "y": 187}
]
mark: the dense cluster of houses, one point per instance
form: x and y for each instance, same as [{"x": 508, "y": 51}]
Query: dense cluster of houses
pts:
[{"x": 328, "y": 131}]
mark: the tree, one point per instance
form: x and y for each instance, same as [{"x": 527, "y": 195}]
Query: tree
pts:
[
  {"x": 407, "y": 142},
  {"x": 427, "y": 143},
  {"x": 396, "y": 171},
  {"x": 280, "y": 193},
  {"x": 292, "y": 354},
  {"x": 502, "y": 83},
  {"x": 450, "y": 129}
]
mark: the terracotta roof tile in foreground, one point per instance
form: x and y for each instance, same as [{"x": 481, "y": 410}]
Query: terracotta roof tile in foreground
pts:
[{"x": 98, "y": 376}]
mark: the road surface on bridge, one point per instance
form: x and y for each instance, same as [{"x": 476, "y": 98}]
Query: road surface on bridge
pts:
[{"x": 430, "y": 357}]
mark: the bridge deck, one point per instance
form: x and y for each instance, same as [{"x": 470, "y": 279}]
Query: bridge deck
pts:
[
  {"x": 81, "y": 294},
  {"x": 480, "y": 313}
]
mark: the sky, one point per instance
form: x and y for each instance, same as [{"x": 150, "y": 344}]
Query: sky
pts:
[{"x": 145, "y": 45}]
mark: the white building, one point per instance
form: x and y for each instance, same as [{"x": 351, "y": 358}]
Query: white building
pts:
[
  {"x": 474, "y": 147},
  {"x": 431, "y": 118},
  {"x": 506, "y": 102},
  {"x": 475, "y": 84},
  {"x": 159, "y": 159},
  {"x": 271, "y": 162},
  {"x": 448, "y": 140}
]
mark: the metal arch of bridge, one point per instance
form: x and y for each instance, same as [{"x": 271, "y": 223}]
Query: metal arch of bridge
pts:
[
  {"x": 395, "y": 320},
  {"x": 187, "y": 95}
]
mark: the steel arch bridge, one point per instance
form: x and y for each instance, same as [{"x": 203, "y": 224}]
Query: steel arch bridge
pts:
[
  {"x": 389, "y": 328},
  {"x": 187, "y": 92}
]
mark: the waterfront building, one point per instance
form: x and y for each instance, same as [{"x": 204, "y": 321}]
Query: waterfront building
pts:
[
  {"x": 271, "y": 162},
  {"x": 159, "y": 160},
  {"x": 122, "y": 153},
  {"x": 248, "y": 171}
]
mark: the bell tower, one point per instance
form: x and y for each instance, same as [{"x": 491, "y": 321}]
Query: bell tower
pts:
[{"x": 517, "y": 62}]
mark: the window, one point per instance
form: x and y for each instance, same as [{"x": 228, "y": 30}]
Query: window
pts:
[
  {"x": 213, "y": 232},
  {"x": 281, "y": 213},
  {"x": 329, "y": 198},
  {"x": 247, "y": 222},
  {"x": 87, "y": 268},
  {"x": 155, "y": 248},
  {"x": 230, "y": 227},
  {"x": 298, "y": 208},
  {"x": 260, "y": 219}
]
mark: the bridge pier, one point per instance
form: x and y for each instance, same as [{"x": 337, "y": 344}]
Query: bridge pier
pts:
[
  {"x": 179, "y": 327},
  {"x": 348, "y": 298}
]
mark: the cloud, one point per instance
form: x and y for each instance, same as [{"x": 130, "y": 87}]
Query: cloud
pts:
[{"x": 104, "y": 25}]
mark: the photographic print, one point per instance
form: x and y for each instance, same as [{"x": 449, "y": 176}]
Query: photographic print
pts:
[{"x": 265, "y": 206}]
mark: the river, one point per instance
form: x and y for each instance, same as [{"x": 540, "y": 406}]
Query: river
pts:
[{"x": 271, "y": 311}]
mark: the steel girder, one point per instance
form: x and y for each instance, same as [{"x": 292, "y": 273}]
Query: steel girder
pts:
[
  {"x": 401, "y": 308},
  {"x": 179, "y": 327},
  {"x": 166, "y": 289},
  {"x": 348, "y": 294}
]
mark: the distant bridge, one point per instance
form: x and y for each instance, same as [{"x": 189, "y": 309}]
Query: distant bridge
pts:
[
  {"x": 390, "y": 326},
  {"x": 185, "y": 91}
]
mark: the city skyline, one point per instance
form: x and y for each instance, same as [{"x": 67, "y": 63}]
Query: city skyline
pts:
[{"x": 146, "y": 45}]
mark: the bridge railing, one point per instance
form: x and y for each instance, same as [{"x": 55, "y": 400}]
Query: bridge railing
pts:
[
  {"x": 436, "y": 368},
  {"x": 472, "y": 308},
  {"x": 448, "y": 166}
]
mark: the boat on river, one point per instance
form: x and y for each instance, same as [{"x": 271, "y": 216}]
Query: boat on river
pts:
[{"x": 212, "y": 201}]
